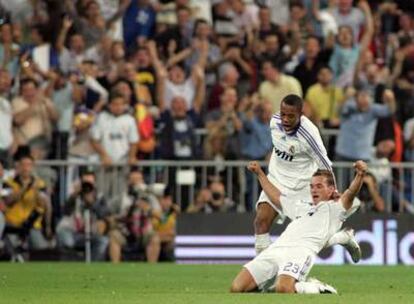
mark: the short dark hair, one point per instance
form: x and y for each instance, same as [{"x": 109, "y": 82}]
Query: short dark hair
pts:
[
  {"x": 178, "y": 65},
  {"x": 135, "y": 169},
  {"x": 293, "y": 100},
  {"x": 314, "y": 37},
  {"x": 167, "y": 191},
  {"x": 325, "y": 67},
  {"x": 114, "y": 95},
  {"x": 271, "y": 62},
  {"x": 89, "y": 61},
  {"x": 86, "y": 171},
  {"x": 327, "y": 174},
  {"x": 183, "y": 8},
  {"x": 25, "y": 156},
  {"x": 296, "y": 4},
  {"x": 28, "y": 80},
  {"x": 42, "y": 30}
]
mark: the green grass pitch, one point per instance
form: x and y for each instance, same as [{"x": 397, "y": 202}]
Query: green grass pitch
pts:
[{"x": 171, "y": 283}]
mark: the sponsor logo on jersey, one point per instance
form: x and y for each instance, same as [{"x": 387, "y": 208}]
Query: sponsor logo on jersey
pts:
[
  {"x": 283, "y": 155},
  {"x": 115, "y": 136}
]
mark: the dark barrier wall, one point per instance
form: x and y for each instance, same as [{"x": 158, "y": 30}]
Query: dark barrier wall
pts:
[{"x": 229, "y": 238}]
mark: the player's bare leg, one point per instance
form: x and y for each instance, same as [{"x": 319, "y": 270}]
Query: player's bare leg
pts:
[
  {"x": 265, "y": 215},
  {"x": 243, "y": 282},
  {"x": 285, "y": 284}
]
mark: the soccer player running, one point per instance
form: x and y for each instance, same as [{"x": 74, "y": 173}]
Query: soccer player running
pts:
[
  {"x": 298, "y": 151},
  {"x": 291, "y": 257}
]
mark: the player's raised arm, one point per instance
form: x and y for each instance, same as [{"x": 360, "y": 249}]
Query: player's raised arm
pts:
[
  {"x": 272, "y": 192},
  {"x": 348, "y": 196}
]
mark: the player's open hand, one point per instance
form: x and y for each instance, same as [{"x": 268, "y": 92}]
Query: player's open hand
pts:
[
  {"x": 361, "y": 167},
  {"x": 255, "y": 167}
]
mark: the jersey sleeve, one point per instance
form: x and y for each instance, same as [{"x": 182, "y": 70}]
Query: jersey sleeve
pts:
[
  {"x": 95, "y": 131},
  {"x": 274, "y": 120},
  {"x": 288, "y": 206},
  {"x": 133, "y": 136},
  {"x": 314, "y": 145},
  {"x": 380, "y": 110},
  {"x": 339, "y": 211}
]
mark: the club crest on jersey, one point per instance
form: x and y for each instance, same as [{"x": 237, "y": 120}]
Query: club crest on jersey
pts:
[{"x": 292, "y": 149}]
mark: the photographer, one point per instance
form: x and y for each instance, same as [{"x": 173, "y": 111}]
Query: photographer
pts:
[
  {"x": 212, "y": 199},
  {"x": 71, "y": 228},
  {"x": 27, "y": 205},
  {"x": 4, "y": 192},
  {"x": 165, "y": 225},
  {"x": 370, "y": 196},
  {"x": 134, "y": 230},
  {"x": 136, "y": 188}
]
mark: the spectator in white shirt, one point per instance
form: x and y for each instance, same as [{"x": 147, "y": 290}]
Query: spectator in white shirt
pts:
[
  {"x": 6, "y": 118},
  {"x": 114, "y": 135},
  {"x": 346, "y": 14},
  {"x": 175, "y": 83}
]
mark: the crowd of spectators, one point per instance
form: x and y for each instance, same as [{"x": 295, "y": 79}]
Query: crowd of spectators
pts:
[{"x": 119, "y": 81}]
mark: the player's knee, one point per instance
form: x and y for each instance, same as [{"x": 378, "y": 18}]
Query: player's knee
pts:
[
  {"x": 261, "y": 225},
  {"x": 236, "y": 287},
  {"x": 285, "y": 288},
  {"x": 263, "y": 219}
]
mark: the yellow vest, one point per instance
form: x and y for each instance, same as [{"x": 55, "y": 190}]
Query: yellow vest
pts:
[
  {"x": 166, "y": 225},
  {"x": 20, "y": 211}
]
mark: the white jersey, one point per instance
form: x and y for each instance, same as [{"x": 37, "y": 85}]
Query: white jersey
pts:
[
  {"x": 313, "y": 229},
  {"x": 297, "y": 155},
  {"x": 6, "y": 118},
  {"x": 115, "y": 134}
]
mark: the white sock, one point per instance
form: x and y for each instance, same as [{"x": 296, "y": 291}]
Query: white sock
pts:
[
  {"x": 338, "y": 238},
  {"x": 307, "y": 287},
  {"x": 262, "y": 242}
]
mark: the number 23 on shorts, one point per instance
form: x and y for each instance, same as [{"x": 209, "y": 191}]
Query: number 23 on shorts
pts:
[{"x": 291, "y": 267}]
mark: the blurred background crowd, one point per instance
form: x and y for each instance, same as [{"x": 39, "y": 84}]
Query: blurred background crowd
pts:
[{"x": 115, "y": 82}]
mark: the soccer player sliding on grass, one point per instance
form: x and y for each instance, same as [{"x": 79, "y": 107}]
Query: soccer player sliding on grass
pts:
[
  {"x": 291, "y": 257},
  {"x": 298, "y": 152}
]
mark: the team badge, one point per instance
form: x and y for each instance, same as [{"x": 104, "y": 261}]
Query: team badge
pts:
[{"x": 292, "y": 149}]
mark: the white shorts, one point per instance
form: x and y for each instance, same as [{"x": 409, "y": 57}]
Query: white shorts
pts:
[
  {"x": 274, "y": 261},
  {"x": 294, "y": 202}
]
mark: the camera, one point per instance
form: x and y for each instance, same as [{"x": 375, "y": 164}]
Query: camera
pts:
[
  {"x": 5, "y": 192},
  {"x": 216, "y": 196},
  {"x": 87, "y": 187},
  {"x": 137, "y": 191},
  {"x": 81, "y": 80}
]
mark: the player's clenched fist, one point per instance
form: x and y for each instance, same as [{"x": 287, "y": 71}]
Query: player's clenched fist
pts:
[
  {"x": 361, "y": 167},
  {"x": 255, "y": 167}
]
